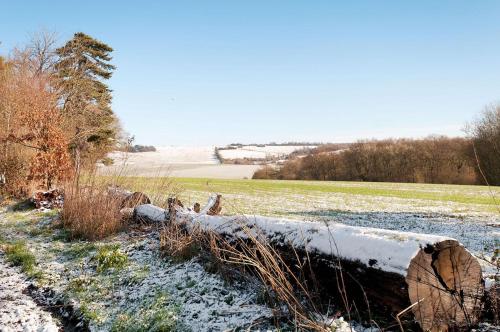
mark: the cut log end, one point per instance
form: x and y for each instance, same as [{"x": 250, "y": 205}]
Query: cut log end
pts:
[{"x": 446, "y": 287}]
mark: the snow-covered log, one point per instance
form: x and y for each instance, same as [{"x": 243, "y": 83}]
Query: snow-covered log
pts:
[
  {"x": 382, "y": 270},
  {"x": 149, "y": 213}
]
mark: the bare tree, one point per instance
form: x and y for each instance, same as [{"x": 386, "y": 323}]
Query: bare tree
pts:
[
  {"x": 38, "y": 56},
  {"x": 485, "y": 134},
  {"x": 41, "y": 50}
]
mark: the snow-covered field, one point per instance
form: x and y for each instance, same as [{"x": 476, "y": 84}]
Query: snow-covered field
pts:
[
  {"x": 261, "y": 152},
  {"x": 166, "y": 155},
  {"x": 197, "y": 162},
  {"x": 192, "y": 162}
]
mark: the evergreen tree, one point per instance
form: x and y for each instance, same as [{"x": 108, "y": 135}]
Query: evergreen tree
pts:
[{"x": 81, "y": 70}]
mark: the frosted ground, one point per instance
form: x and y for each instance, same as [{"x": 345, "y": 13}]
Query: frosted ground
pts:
[
  {"x": 148, "y": 287},
  {"x": 177, "y": 162},
  {"x": 199, "y": 301},
  {"x": 466, "y": 213},
  {"x": 192, "y": 162},
  {"x": 18, "y": 311}
]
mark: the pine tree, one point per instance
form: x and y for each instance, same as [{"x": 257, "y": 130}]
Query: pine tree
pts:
[{"x": 82, "y": 68}]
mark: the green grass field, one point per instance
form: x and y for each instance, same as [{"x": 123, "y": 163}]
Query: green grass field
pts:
[
  {"x": 436, "y": 192},
  {"x": 462, "y": 198}
]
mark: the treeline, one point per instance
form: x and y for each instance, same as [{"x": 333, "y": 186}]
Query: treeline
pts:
[
  {"x": 55, "y": 111},
  {"x": 137, "y": 148},
  {"x": 430, "y": 160},
  {"x": 240, "y": 145}
]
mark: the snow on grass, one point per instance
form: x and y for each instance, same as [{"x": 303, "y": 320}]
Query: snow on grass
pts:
[
  {"x": 18, "y": 311},
  {"x": 109, "y": 281}
]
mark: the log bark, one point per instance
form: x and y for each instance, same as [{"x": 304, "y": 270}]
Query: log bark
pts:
[
  {"x": 383, "y": 272},
  {"x": 129, "y": 199}
]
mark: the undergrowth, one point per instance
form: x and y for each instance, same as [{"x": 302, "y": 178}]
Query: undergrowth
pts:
[
  {"x": 251, "y": 256},
  {"x": 18, "y": 254},
  {"x": 90, "y": 212},
  {"x": 158, "y": 315},
  {"x": 94, "y": 206},
  {"x": 110, "y": 257}
]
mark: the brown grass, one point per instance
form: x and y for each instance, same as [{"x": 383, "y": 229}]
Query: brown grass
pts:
[
  {"x": 178, "y": 243},
  {"x": 262, "y": 259},
  {"x": 253, "y": 255},
  {"x": 92, "y": 212}
]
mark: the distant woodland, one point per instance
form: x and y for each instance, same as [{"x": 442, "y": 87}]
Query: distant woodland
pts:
[{"x": 472, "y": 160}]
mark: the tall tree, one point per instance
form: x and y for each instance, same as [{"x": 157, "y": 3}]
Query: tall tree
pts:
[
  {"x": 82, "y": 68},
  {"x": 485, "y": 133}
]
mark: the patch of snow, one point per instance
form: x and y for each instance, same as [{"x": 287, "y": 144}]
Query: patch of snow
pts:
[
  {"x": 18, "y": 311},
  {"x": 151, "y": 212}
]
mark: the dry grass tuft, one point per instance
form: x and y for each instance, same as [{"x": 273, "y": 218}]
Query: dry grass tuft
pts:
[
  {"x": 90, "y": 212},
  {"x": 92, "y": 206},
  {"x": 259, "y": 257},
  {"x": 178, "y": 243}
]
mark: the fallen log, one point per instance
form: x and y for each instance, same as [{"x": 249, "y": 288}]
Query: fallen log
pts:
[
  {"x": 383, "y": 271},
  {"x": 149, "y": 213},
  {"x": 128, "y": 198}
]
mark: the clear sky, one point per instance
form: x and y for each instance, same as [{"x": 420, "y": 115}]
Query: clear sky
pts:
[{"x": 215, "y": 72}]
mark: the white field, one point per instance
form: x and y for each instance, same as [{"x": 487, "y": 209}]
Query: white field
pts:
[
  {"x": 175, "y": 161},
  {"x": 261, "y": 152}
]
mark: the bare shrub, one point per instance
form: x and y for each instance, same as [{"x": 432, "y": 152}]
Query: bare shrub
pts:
[
  {"x": 93, "y": 206},
  {"x": 485, "y": 133},
  {"x": 266, "y": 172}
]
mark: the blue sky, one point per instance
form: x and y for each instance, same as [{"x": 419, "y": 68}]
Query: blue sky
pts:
[{"x": 215, "y": 72}]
